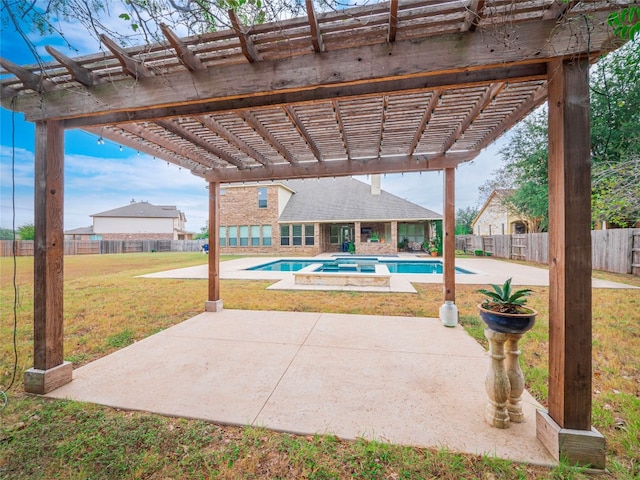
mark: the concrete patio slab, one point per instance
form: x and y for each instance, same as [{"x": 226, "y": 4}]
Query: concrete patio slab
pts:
[{"x": 401, "y": 379}]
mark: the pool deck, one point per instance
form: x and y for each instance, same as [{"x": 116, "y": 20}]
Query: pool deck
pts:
[{"x": 485, "y": 271}]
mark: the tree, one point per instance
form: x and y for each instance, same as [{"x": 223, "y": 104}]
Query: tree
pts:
[
  {"x": 6, "y": 234},
  {"x": 204, "y": 233},
  {"x": 615, "y": 145},
  {"x": 464, "y": 218},
  {"x": 615, "y": 136},
  {"x": 27, "y": 232}
]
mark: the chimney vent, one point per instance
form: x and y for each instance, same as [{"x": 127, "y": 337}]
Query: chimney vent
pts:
[{"x": 375, "y": 184}]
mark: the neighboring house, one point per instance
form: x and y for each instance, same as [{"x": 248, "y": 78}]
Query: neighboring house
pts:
[
  {"x": 307, "y": 217},
  {"x": 136, "y": 221},
  {"x": 495, "y": 219}
]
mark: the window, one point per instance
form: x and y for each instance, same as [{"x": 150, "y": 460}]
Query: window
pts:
[
  {"x": 233, "y": 236},
  {"x": 255, "y": 235},
  {"x": 308, "y": 235},
  {"x": 284, "y": 235},
  {"x": 244, "y": 235},
  {"x": 334, "y": 234},
  {"x": 266, "y": 235},
  {"x": 413, "y": 232},
  {"x": 262, "y": 197},
  {"x": 297, "y": 234},
  {"x": 222, "y": 235}
]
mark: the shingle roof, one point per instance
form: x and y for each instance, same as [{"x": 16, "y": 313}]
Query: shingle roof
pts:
[
  {"x": 347, "y": 199},
  {"x": 142, "y": 209},
  {"x": 80, "y": 231}
]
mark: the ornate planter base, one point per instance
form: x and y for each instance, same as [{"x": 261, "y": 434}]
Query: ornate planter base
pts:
[{"x": 504, "y": 381}]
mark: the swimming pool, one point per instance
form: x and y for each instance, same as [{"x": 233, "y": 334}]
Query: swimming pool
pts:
[{"x": 346, "y": 264}]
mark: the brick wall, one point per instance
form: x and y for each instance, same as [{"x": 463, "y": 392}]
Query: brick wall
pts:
[
  {"x": 239, "y": 206},
  {"x": 136, "y": 236}
]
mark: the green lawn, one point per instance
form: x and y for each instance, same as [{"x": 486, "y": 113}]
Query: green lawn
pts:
[{"x": 106, "y": 308}]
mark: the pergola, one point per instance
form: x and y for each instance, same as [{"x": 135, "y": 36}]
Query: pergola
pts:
[{"x": 417, "y": 85}]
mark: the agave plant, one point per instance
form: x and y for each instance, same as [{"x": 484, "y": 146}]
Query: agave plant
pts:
[{"x": 505, "y": 300}]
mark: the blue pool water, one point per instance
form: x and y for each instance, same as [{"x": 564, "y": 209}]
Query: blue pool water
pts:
[{"x": 366, "y": 265}]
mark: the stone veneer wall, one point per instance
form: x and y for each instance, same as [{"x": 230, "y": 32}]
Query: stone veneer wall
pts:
[{"x": 494, "y": 216}]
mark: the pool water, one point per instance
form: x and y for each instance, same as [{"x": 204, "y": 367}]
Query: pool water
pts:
[{"x": 359, "y": 264}]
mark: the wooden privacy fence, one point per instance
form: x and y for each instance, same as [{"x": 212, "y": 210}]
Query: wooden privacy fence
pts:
[
  {"x": 616, "y": 250},
  {"x": 77, "y": 247}
]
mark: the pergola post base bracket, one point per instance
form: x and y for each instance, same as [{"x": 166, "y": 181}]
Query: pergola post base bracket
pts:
[
  {"x": 577, "y": 447},
  {"x": 44, "y": 381},
  {"x": 213, "y": 306}
]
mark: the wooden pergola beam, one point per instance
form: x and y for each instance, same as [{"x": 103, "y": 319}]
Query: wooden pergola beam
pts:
[
  {"x": 257, "y": 126},
  {"x": 475, "y": 13},
  {"x": 302, "y": 130},
  {"x": 424, "y": 121},
  {"x": 383, "y": 120},
  {"x": 392, "y": 29},
  {"x": 341, "y": 129},
  {"x": 557, "y": 9},
  {"x": 186, "y": 56},
  {"x": 316, "y": 35},
  {"x": 77, "y": 71},
  {"x": 196, "y": 140},
  {"x": 232, "y": 138},
  {"x": 249, "y": 50},
  {"x": 481, "y": 104},
  {"x": 31, "y": 80},
  {"x": 131, "y": 67},
  {"x": 510, "y": 120},
  {"x": 461, "y": 79},
  {"x": 153, "y": 144},
  {"x": 336, "y": 168},
  {"x": 314, "y": 73}
]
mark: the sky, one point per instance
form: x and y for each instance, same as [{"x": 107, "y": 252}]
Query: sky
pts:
[{"x": 101, "y": 177}]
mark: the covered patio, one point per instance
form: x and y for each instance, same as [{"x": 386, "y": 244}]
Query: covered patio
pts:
[{"x": 409, "y": 86}]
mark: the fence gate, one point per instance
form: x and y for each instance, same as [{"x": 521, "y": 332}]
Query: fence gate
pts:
[{"x": 519, "y": 247}]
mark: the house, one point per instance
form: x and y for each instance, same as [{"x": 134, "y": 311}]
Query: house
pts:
[
  {"x": 495, "y": 219},
  {"x": 307, "y": 217},
  {"x": 136, "y": 221}
]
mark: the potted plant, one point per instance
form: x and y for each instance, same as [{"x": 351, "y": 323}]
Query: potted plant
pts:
[
  {"x": 503, "y": 309},
  {"x": 433, "y": 249}
]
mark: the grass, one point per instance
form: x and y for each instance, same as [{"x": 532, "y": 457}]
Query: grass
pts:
[{"x": 107, "y": 307}]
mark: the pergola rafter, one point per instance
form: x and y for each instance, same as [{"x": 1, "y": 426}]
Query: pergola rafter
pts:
[{"x": 417, "y": 85}]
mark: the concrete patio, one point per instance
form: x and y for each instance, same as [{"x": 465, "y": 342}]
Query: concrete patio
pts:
[{"x": 399, "y": 379}]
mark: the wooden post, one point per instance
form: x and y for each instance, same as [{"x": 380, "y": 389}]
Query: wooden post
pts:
[
  {"x": 214, "y": 303},
  {"x": 49, "y": 369},
  {"x": 448, "y": 310},
  {"x": 449, "y": 235},
  {"x": 570, "y": 329}
]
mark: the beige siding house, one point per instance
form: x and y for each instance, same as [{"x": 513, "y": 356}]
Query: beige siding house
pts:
[
  {"x": 307, "y": 217},
  {"x": 136, "y": 221},
  {"x": 495, "y": 219}
]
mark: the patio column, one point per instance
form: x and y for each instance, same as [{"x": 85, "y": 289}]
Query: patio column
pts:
[
  {"x": 566, "y": 430},
  {"x": 214, "y": 303},
  {"x": 49, "y": 371},
  {"x": 449, "y": 310}
]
